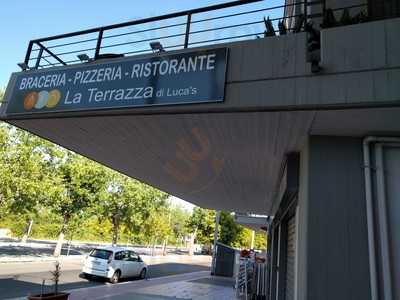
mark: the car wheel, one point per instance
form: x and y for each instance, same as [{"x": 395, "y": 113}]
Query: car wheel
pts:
[
  {"x": 116, "y": 276},
  {"x": 143, "y": 273}
]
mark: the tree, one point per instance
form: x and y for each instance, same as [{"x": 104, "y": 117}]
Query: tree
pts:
[
  {"x": 129, "y": 204},
  {"x": 157, "y": 226},
  {"x": 151, "y": 218},
  {"x": 24, "y": 177},
  {"x": 116, "y": 204},
  {"x": 179, "y": 219},
  {"x": 229, "y": 230},
  {"x": 82, "y": 183},
  {"x": 5, "y": 171},
  {"x": 201, "y": 225}
]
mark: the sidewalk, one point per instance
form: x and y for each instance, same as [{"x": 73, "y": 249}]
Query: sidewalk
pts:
[
  {"x": 189, "y": 286},
  {"x": 12, "y": 250},
  {"x": 195, "y": 286}
]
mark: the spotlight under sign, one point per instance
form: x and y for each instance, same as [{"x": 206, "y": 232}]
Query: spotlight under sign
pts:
[{"x": 165, "y": 79}]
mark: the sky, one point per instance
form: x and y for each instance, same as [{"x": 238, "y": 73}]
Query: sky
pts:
[
  {"x": 181, "y": 203},
  {"x": 21, "y": 21}
]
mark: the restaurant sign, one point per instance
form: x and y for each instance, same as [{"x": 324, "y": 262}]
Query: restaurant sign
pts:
[{"x": 163, "y": 79}]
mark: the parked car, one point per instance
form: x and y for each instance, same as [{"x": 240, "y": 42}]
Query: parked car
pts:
[
  {"x": 114, "y": 263},
  {"x": 206, "y": 249}
]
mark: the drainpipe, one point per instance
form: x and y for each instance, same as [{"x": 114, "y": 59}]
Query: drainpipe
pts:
[{"x": 369, "y": 202}]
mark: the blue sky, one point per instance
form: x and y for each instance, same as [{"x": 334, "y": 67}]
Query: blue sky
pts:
[{"x": 22, "y": 21}]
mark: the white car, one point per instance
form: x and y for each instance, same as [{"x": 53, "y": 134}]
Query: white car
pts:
[{"x": 114, "y": 263}]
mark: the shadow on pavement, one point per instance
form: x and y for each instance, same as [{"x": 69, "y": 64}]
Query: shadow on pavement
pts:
[
  {"x": 18, "y": 250},
  {"x": 165, "y": 269},
  {"x": 37, "y": 248},
  {"x": 13, "y": 287}
]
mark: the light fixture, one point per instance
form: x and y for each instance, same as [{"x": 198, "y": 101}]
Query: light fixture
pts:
[
  {"x": 83, "y": 57},
  {"x": 23, "y": 66},
  {"x": 157, "y": 47}
]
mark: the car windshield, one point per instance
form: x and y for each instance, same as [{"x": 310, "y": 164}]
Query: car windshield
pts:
[{"x": 100, "y": 253}]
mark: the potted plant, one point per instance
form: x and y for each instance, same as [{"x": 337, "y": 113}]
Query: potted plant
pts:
[{"x": 55, "y": 295}]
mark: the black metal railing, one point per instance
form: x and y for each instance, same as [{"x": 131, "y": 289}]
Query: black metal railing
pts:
[{"x": 227, "y": 22}]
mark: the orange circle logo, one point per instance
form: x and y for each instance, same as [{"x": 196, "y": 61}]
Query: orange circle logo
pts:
[
  {"x": 54, "y": 98},
  {"x": 30, "y": 100}
]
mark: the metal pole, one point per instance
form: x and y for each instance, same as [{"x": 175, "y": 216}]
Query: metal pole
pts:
[
  {"x": 253, "y": 234},
  {"x": 39, "y": 58},
  {"x": 305, "y": 12},
  {"x": 98, "y": 45},
  {"x": 189, "y": 20},
  {"x": 28, "y": 53},
  {"x": 217, "y": 216},
  {"x": 51, "y": 53},
  {"x": 370, "y": 209},
  {"x": 383, "y": 220}
]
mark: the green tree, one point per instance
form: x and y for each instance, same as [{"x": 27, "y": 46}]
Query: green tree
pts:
[
  {"x": 25, "y": 180},
  {"x": 157, "y": 228},
  {"x": 82, "y": 184},
  {"x": 201, "y": 225},
  {"x": 129, "y": 204},
  {"x": 229, "y": 230},
  {"x": 179, "y": 219},
  {"x": 5, "y": 171},
  {"x": 148, "y": 201}
]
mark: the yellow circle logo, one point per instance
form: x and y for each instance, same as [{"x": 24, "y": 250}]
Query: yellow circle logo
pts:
[
  {"x": 54, "y": 98},
  {"x": 30, "y": 100}
]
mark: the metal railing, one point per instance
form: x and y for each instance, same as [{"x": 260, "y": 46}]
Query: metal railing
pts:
[{"x": 222, "y": 23}]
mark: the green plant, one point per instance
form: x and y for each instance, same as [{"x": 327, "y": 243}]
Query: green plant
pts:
[
  {"x": 282, "y": 28},
  {"x": 346, "y": 19},
  {"x": 329, "y": 19},
  {"x": 56, "y": 276},
  {"x": 269, "y": 28},
  {"x": 300, "y": 20}
]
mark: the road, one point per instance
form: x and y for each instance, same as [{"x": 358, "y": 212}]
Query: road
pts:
[
  {"x": 21, "y": 279},
  {"x": 13, "y": 250}
]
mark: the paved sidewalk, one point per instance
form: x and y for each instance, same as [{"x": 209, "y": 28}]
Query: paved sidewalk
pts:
[
  {"x": 14, "y": 251},
  {"x": 194, "y": 286},
  {"x": 190, "y": 286}
]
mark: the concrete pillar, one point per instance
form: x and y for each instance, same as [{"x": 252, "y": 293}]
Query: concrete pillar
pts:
[{"x": 333, "y": 241}]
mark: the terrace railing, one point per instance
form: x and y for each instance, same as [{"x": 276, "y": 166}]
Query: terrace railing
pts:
[{"x": 222, "y": 23}]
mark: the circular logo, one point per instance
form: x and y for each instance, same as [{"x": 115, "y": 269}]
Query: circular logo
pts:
[
  {"x": 43, "y": 97},
  {"x": 54, "y": 98},
  {"x": 30, "y": 100}
]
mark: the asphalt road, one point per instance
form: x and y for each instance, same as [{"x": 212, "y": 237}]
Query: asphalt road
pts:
[{"x": 21, "y": 279}]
